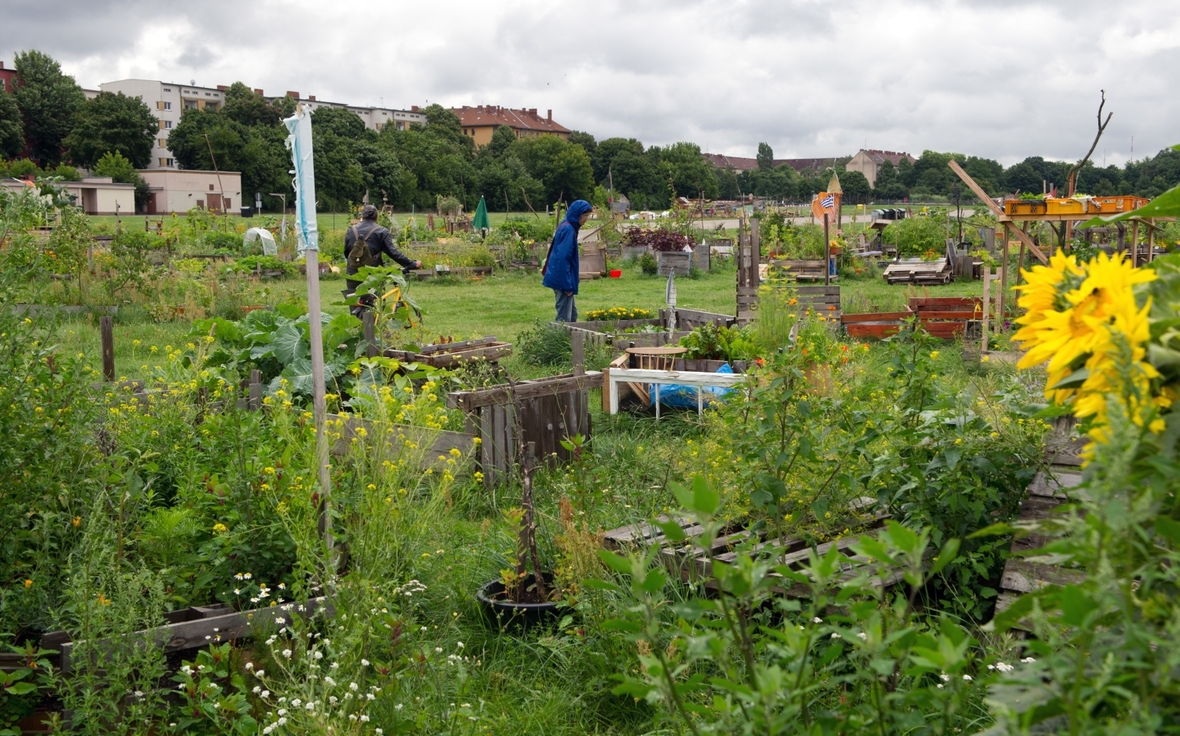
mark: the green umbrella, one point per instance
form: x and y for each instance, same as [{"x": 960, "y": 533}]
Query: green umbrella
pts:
[{"x": 480, "y": 222}]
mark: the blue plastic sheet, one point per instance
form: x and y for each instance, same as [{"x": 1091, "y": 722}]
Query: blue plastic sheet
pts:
[{"x": 685, "y": 397}]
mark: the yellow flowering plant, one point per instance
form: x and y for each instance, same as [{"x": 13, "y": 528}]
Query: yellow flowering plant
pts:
[{"x": 1104, "y": 328}]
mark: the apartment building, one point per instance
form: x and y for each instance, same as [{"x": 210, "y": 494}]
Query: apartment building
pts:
[
  {"x": 167, "y": 100},
  {"x": 375, "y": 118}
]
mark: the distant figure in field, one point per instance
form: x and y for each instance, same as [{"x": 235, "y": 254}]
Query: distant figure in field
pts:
[
  {"x": 561, "y": 265},
  {"x": 379, "y": 242}
]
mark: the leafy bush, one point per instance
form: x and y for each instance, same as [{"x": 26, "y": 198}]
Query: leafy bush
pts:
[
  {"x": 710, "y": 342},
  {"x": 545, "y": 344},
  {"x": 222, "y": 242},
  {"x": 648, "y": 264},
  {"x": 915, "y": 236}
]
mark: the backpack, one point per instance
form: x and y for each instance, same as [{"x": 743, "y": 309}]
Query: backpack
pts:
[{"x": 361, "y": 255}]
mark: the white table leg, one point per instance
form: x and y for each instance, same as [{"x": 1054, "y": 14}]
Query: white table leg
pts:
[
  {"x": 657, "y": 401},
  {"x": 700, "y": 402},
  {"x": 613, "y": 389}
]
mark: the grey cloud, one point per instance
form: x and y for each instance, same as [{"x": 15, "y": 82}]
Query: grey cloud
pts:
[{"x": 1000, "y": 78}]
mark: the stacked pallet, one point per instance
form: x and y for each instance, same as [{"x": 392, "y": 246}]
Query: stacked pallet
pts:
[
  {"x": 1050, "y": 489},
  {"x": 691, "y": 562},
  {"x": 803, "y": 270},
  {"x": 918, "y": 271}
]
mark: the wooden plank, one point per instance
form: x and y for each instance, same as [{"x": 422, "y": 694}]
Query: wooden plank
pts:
[
  {"x": 199, "y": 633},
  {"x": 996, "y": 209},
  {"x": 452, "y": 346},
  {"x": 1022, "y": 576},
  {"x": 875, "y": 316},
  {"x": 1054, "y": 484},
  {"x": 502, "y": 394},
  {"x": 487, "y": 447}
]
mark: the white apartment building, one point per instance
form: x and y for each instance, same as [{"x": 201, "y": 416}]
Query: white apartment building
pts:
[
  {"x": 375, "y": 118},
  {"x": 167, "y": 101}
]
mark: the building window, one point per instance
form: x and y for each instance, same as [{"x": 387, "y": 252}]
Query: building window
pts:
[
  {"x": 167, "y": 125},
  {"x": 167, "y": 89},
  {"x": 168, "y": 162},
  {"x": 1, "y": 85}
]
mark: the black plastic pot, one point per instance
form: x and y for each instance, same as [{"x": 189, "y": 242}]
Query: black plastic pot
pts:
[{"x": 504, "y": 613}]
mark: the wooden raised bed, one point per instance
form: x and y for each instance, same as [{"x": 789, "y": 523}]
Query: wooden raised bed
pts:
[
  {"x": 803, "y": 270},
  {"x": 608, "y": 332},
  {"x": 945, "y": 324},
  {"x": 544, "y": 412},
  {"x": 448, "y": 355},
  {"x": 691, "y": 562}
]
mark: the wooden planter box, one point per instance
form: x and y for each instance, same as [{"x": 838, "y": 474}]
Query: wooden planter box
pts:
[
  {"x": 633, "y": 251},
  {"x": 678, "y": 263},
  {"x": 701, "y": 256},
  {"x": 451, "y": 354}
]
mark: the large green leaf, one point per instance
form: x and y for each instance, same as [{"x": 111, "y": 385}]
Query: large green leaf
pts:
[{"x": 290, "y": 344}]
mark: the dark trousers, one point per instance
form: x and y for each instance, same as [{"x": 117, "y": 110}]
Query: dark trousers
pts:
[{"x": 567, "y": 310}]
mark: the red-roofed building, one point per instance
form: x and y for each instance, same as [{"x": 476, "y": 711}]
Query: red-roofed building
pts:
[
  {"x": 7, "y": 78},
  {"x": 868, "y": 162},
  {"x": 480, "y": 122}
]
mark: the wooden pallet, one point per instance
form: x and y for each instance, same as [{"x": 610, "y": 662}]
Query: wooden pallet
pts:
[
  {"x": 917, "y": 271},
  {"x": 448, "y": 355},
  {"x": 691, "y": 562},
  {"x": 1049, "y": 490}
]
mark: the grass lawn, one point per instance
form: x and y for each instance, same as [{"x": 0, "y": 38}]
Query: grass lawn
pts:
[{"x": 503, "y": 305}]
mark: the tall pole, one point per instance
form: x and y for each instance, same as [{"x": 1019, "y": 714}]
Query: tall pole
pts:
[
  {"x": 300, "y": 143},
  {"x": 827, "y": 254}
]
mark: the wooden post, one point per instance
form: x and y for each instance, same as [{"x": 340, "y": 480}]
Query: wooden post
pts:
[
  {"x": 578, "y": 351},
  {"x": 987, "y": 306},
  {"x": 106, "y": 327},
  {"x": 369, "y": 327},
  {"x": 827, "y": 254},
  {"x": 1151, "y": 241},
  {"x": 1003, "y": 285},
  {"x": 254, "y": 401},
  {"x": 1134, "y": 243}
]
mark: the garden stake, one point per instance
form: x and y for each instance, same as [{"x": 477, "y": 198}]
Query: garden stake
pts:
[{"x": 299, "y": 141}]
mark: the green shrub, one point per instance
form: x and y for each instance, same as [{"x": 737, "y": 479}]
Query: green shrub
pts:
[
  {"x": 545, "y": 344},
  {"x": 648, "y": 264}
]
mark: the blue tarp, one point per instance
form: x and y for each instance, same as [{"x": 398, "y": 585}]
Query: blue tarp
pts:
[{"x": 685, "y": 397}]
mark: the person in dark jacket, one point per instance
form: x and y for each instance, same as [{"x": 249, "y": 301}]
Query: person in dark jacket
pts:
[
  {"x": 561, "y": 267},
  {"x": 378, "y": 240}
]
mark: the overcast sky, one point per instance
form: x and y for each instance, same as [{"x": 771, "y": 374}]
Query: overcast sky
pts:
[{"x": 999, "y": 78}]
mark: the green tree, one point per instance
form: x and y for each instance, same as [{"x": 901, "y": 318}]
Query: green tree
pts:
[
  {"x": 727, "y": 184},
  {"x": 905, "y": 172},
  {"x": 624, "y": 162},
  {"x": 685, "y": 171},
  {"x": 888, "y": 185},
  {"x": 586, "y": 141},
  {"x": 48, "y": 102},
  {"x": 856, "y": 187},
  {"x": 258, "y": 152},
  {"x": 121, "y": 170},
  {"x": 12, "y": 134},
  {"x": 563, "y": 168},
  {"x": 986, "y": 173},
  {"x": 1022, "y": 177},
  {"x": 112, "y": 123},
  {"x": 765, "y": 157},
  {"x": 446, "y": 125},
  {"x": 247, "y": 107}
]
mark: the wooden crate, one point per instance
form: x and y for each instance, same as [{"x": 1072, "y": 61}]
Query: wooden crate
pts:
[
  {"x": 823, "y": 300},
  {"x": 678, "y": 263},
  {"x": 874, "y": 325}
]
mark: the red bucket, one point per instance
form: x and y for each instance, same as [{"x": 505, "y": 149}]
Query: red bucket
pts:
[{"x": 616, "y": 274}]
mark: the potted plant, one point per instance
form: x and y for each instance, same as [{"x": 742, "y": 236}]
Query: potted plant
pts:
[{"x": 522, "y": 597}]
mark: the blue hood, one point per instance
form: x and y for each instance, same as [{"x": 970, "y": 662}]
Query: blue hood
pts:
[{"x": 576, "y": 210}]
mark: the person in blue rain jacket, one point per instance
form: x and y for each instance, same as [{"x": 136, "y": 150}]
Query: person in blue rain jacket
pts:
[{"x": 561, "y": 266}]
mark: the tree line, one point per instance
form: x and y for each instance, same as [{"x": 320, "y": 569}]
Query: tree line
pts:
[{"x": 47, "y": 125}]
